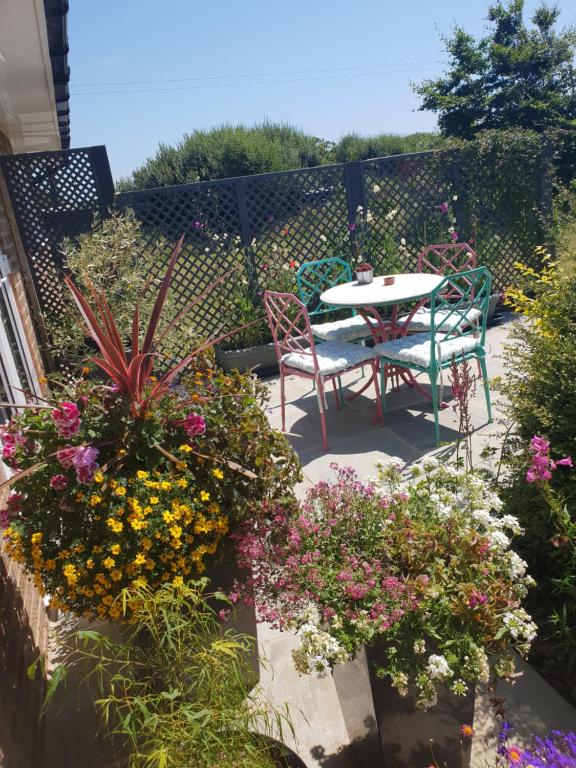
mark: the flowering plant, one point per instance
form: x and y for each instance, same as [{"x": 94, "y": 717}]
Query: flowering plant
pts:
[
  {"x": 138, "y": 479},
  {"x": 425, "y": 568}
]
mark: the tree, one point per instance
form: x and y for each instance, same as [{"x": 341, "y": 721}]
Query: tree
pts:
[{"x": 515, "y": 76}]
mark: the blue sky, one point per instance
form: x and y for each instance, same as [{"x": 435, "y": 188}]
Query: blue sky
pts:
[{"x": 327, "y": 67}]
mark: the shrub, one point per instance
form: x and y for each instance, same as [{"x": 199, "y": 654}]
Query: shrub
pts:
[
  {"x": 353, "y": 146},
  {"x": 173, "y": 689},
  {"x": 540, "y": 391},
  {"x": 424, "y": 568},
  {"x": 228, "y": 150}
]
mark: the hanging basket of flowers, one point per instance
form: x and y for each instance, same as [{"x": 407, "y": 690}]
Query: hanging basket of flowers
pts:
[{"x": 141, "y": 479}]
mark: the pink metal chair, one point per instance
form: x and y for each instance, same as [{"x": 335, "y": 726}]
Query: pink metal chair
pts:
[
  {"x": 445, "y": 259},
  {"x": 299, "y": 355}
]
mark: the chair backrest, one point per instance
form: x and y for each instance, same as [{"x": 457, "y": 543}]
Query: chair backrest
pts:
[
  {"x": 289, "y": 323},
  {"x": 315, "y": 277},
  {"x": 447, "y": 259},
  {"x": 473, "y": 289}
]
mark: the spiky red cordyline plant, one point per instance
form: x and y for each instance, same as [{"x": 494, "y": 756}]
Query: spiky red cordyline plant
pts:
[{"x": 131, "y": 372}]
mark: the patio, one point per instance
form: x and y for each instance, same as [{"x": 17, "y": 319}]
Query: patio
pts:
[{"x": 408, "y": 434}]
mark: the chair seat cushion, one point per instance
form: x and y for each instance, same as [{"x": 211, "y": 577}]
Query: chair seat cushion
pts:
[
  {"x": 333, "y": 357},
  {"x": 445, "y": 320},
  {"x": 415, "y": 350},
  {"x": 349, "y": 329}
]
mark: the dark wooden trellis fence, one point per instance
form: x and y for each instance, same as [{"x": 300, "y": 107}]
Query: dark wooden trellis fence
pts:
[{"x": 268, "y": 219}]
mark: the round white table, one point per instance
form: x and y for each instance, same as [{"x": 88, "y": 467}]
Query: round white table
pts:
[
  {"x": 415, "y": 286},
  {"x": 406, "y": 287}
]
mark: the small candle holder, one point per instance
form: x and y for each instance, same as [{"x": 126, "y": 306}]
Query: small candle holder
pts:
[
  {"x": 364, "y": 273},
  {"x": 389, "y": 280}
]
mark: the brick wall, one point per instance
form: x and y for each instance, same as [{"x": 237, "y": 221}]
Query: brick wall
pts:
[{"x": 23, "y": 620}]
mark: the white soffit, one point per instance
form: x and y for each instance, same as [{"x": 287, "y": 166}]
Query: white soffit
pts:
[{"x": 27, "y": 104}]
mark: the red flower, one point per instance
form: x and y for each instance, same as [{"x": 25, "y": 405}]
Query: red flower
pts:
[{"x": 67, "y": 419}]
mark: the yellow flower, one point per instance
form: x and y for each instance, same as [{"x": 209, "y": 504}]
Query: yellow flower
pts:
[
  {"x": 142, "y": 475},
  {"x": 175, "y": 531},
  {"x": 95, "y": 499},
  {"x": 218, "y": 474},
  {"x": 146, "y": 543},
  {"x": 98, "y": 477},
  {"x": 116, "y": 574},
  {"x": 182, "y": 483},
  {"x": 36, "y": 538},
  {"x": 120, "y": 491},
  {"x": 185, "y": 448},
  {"x": 109, "y": 563},
  {"x": 178, "y": 581},
  {"x": 115, "y": 549},
  {"x": 165, "y": 485},
  {"x": 204, "y": 496},
  {"x": 154, "y": 499},
  {"x": 115, "y": 525},
  {"x": 89, "y": 563},
  {"x": 97, "y": 549},
  {"x": 167, "y": 516},
  {"x": 50, "y": 565},
  {"x": 139, "y": 559},
  {"x": 138, "y": 524}
]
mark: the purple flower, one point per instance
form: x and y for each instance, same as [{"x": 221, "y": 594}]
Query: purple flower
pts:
[
  {"x": 85, "y": 456},
  {"x": 194, "y": 425},
  {"x": 198, "y": 225},
  {"x": 454, "y": 237},
  {"x": 352, "y": 227},
  {"x": 443, "y": 208}
]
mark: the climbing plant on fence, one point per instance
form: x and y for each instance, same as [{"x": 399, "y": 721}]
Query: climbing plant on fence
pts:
[{"x": 493, "y": 193}]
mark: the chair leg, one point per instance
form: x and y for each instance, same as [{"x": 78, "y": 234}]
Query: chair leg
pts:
[
  {"x": 482, "y": 364},
  {"x": 434, "y": 383},
  {"x": 283, "y": 401},
  {"x": 336, "y": 392},
  {"x": 379, "y": 412},
  {"x": 341, "y": 391},
  {"x": 322, "y": 405},
  {"x": 383, "y": 383}
]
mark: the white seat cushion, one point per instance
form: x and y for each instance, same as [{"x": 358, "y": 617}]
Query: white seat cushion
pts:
[
  {"x": 333, "y": 357},
  {"x": 416, "y": 349},
  {"x": 349, "y": 329},
  {"x": 445, "y": 320}
]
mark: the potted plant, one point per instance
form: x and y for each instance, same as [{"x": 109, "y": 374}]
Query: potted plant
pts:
[
  {"x": 138, "y": 478},
  {"x": 410, "y": 593},
  {"x": 364, "y": 273}
]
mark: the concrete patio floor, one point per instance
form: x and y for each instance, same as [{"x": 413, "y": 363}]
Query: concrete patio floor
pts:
[{"x": 407, "y": 433}]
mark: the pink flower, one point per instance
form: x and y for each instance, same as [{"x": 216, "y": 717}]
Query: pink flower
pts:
[
  {"x": 443, "y": 208},
  {"x": 194, "y": 425},
  {"x": 66, "y": 456},
  {"x": 67, "y": 419},
  {"x": 565, "y": 462},
  {"x": 59, "y": 482},
  {"x": 8, "y": 450},
  {"x": 454, "y": 237},
  {"x": 356, "y": 591},
  {"x": 85, "y": 457},
  {"x": 477, "y": 598},
  {"x": 85, "y": 475}
]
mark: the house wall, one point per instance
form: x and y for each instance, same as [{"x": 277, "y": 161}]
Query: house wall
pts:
[{"x": 23, "y": 619}]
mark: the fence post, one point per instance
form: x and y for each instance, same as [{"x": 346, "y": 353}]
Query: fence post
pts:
[
  {"x": 355, "y": 194},
  {"x": 246, "y": 235},
  {"x": 456, "y": 175}
]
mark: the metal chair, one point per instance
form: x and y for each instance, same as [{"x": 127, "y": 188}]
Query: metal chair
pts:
[
  {"x": 299, "y": 355},
  {"x": 315, "y": 277},
  {"x": 451, "y": 335},
  {"x": 445, "y": 259}
]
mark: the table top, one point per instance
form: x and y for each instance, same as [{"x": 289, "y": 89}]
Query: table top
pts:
[{"x": 406, "y": 287}]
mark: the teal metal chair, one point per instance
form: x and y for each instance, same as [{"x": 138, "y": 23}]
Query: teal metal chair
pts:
[
  {"x": 451, "y": 335},
  {"x": 315, "y": 277}
]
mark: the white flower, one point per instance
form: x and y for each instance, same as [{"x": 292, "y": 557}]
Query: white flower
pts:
[
  {"x": 438, "y": 668},
  {"x": 511, "y": 522},
  {"x": 318, "y": 651},
  {"x": 498, "y": 540},
  {"x": 520, "y": 625},
  {"x": 430, "y": 463},
  {"x": 402, "y": 241},
  {"x": 323, "y": 238},
  {"x": 392, "y": 214},
  {"x": 369, "y": 217},
  {"x": 375, "y": 189},
  {"x": 454, "y": 197},
  {"x": 516, "y": 566},
  {"x": 419, "y": 646}
]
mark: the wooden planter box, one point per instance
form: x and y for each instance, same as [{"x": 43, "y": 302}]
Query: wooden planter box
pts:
[
  {"x": 261, "y": 359},
  {"x": 387, "y": 729}
]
